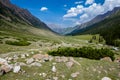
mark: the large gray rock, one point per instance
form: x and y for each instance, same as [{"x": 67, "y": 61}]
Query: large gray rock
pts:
[
  {"x": 3, "y": 61},
  {"x": 16, "y": 69},
  {"x": 6, "y": 68}
]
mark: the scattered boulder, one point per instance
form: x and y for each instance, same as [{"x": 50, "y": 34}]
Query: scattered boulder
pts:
[
  {"x": 23, "y": 56},
  {"x": 16, "y": 69},
  {"x": 15, "y": 57},
  {"x": 22, "y": 64},
  {"x": 55, "y": 78},
  {"x": 29, "y": 61},
  {"x": 106, "y": 78},
  {"x": 61, "y": 59},
  {"x": 43, "y": 58},
  {"x": 54, "y": 69},
  {"x": 3, "y": 61},
  {"x": 106, "y": 59},
  {"x": 44, "y": 74},
  {"x": 6, "y": 68},
  {"x": 73, "y": 75},
  {"x": 63, "y": 76},
  {"x": 69, "y": 64},
  {"x": 36, "y": 64},
  {"x": 27, "y": 55}
]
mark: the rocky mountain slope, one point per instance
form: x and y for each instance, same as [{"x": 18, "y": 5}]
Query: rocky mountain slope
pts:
[
  {"x": 20, "y": 23},
  {"x": 12, "y": 13}
]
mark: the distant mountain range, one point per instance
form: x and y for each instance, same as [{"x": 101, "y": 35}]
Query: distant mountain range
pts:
[{"x": 59, "y": 29}]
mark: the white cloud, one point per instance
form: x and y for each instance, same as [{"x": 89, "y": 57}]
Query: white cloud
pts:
[
  {"x": 78, "y": 2},
  {"x": 73, "y": 12},
  {"x": 87, "y": 13},
  {"x": 44, "y": 9},
  {"x": 89, "y": 2}
]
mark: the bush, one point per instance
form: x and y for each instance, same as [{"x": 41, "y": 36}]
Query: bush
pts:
[
  {"x": 18, "y": 43},
  {"x": 86, "y": 52}
]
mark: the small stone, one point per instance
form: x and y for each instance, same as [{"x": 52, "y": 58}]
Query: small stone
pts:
[
  {"x": 15, "y": 57},
  {"x": 29, "y": 61},
  {"x": 69, "y": 64},
  {"x": 63, "y": 76},
  {"x": 54, "y": 69},
  {"x": 36, "y": 64},
  {"x": 99, "y": 72},
  {"x": 55, "y": 78},
  {"x": 94, "y": 69},
  {"x": 22, "y": 64},
  {"x": 106, "y": 78},
  {"x": 44, "y": 74},
  {"x": 16, "y": 69},
  {"x": 23, "y": 56},
  {"x": 27, "y": 55},
  {"x": 75, "y": 74}
]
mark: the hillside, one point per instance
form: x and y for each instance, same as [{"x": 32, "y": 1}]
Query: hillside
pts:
[
  {"x": 18, "y": 22},
  {"x": 13, "y": 13},
  {"x": 108, "y": 28}
]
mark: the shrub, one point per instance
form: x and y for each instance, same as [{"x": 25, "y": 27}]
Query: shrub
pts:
[
  {"x": 86, "y": 52},
  {"x": 18, "y": 43}
]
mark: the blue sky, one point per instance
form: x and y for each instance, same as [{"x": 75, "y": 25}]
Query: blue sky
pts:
[{"x": 66, "y": 13}]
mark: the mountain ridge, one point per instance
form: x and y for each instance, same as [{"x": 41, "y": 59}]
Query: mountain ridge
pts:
[{"x": 20, "y": 14}]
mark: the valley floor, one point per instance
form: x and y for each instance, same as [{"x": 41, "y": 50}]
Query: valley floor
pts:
[{"x": 36, "y": 64}]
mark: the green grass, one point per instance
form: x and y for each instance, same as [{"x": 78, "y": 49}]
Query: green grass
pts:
[
  {"x": 90, "y": 74},
  {"x": 18, "y": 43}
]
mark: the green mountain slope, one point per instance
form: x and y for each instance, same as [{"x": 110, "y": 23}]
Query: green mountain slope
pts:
[
  {"x": 108, "y": 28},
  {"x": 18, "y": 22}
]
